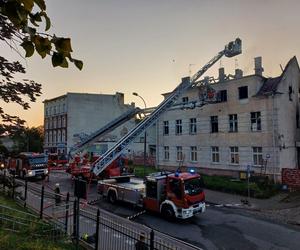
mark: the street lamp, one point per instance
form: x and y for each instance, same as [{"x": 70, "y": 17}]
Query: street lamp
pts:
[{"x": 145, "y": 134}]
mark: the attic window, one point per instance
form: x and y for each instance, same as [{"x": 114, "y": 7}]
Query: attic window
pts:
[
  {"x": 185, "y": 100},
  {"x": 243, "y": 92}
]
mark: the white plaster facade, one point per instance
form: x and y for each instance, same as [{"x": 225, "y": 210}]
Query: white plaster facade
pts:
[
  {"x": 70, "y": 116},
  {"x": 269, "y": 146}
]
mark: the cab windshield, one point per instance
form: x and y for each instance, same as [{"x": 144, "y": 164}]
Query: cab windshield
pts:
[
  {"x": 193, "y": 186},
  {"x": 38, "y": 160}
]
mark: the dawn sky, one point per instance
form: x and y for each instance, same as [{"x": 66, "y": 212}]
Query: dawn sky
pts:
[{"x": 146, "y": 46}]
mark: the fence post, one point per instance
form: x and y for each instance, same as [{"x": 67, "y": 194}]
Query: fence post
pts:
[
  {"x": 97, "y": 230},
  {"x": 77, "y": 222},
  {"x": 152, "y": 240},
  {"x": 67, "y": 213},
  {"x": 42, "y": 202},
  {"x": 74, "y": 218},
  {"x": 13, "y": 186},
  {"x": 25, "y": 195}
]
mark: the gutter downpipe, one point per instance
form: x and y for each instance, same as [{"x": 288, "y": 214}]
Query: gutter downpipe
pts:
[{"x": 273, "y": 137}]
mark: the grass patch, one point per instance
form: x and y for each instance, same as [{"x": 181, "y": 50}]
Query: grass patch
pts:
[
  {"x": 28, "y": 237},
  {"x": 226, "y": 184},
  {"x": 141, "y": 171}
]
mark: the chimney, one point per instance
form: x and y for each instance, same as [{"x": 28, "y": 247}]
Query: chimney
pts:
[
  {"x": 238, "y": 74},
  {"x": 221, "y": 74},
  {"x": 258, "y": 66}
]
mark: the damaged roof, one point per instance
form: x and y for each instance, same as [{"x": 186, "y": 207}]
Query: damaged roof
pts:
[{"x": 270, "y": 85}]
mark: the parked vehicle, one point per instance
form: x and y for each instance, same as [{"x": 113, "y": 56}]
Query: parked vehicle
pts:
[
  {"x": 29, "y": 164},
  {"x": 57, "y": 161},
  {"x": 174, "y": 195}
]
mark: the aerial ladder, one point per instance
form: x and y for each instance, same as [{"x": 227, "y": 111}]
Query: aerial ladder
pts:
[
  {"x": 92, "y": 138},
  {"x": 231, "y": 49}
]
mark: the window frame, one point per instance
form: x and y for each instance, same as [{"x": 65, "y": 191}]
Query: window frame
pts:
[
  {"x": 179, "y": 153},
  {"x": 193, "y": 154},
  {"x": 178, "y": 127},
  {"x": 166, "y": 130},
  {"x": 166, "y": 153},
  {"x": 234, "y": 155},
  {"x": 215, "y": 154},
  {"x": 214, "y": 124},
  {"x": 193, "y": 126},
  {"x": 233, "y": 123},
  {"x": 255, "y": 118},
  {"x": 257, "y": 156}
]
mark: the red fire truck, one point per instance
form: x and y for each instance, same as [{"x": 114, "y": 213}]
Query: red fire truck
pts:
[
  {"x": 57, "y": 161},
  {"x": 29, "y": 164},
  {"x": 178, "y": 195}
]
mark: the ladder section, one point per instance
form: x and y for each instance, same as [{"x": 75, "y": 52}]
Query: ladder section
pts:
[
  {"x": 232, "y": 49},
  {"x": 106, "y": 129}
]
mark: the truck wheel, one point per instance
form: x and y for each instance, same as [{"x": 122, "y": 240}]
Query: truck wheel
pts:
[
  {"x": 112, "y": 198},
  {"x": 168, "y": 213}
]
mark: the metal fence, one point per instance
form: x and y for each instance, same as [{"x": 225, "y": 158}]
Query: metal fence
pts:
[{"x": 98, "y": 228}]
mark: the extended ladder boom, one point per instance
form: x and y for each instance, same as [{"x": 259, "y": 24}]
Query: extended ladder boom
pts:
[
  {"x": 232, "y": 49},
  {"x": 104, "y": 130}
]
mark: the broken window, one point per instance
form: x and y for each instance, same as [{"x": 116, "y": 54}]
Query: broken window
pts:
[
  {"x": 178, "y": 129},
  {"x": 233, "y": 123},
  {"x": 222, "y": 96},
  {"x": 214, "y": 124},
  {"x": 243, "y": 92},
  {"x": 255, "y": 121}
]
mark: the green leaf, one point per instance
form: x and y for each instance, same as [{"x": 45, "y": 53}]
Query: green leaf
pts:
[
  {"x": 78, "y": 64},
  {"x": 47, "y": 19},
  {"x": 42, "y": 45},
  {"x": 63, "y": 45},
  {"x": 28, "y": 4},
  {"x": 57, "y": 59},
  {"x": 41, "y": 4},
  {"x": 64, "y": 64},
  {"x": 28, "y": 47}
]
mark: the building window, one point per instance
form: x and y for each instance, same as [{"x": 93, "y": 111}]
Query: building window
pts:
[
  {"x": 243, "y": 92},
  {"x": 234, "y": 155},
  {"x": 193, "y": 153},
  {"x": 215, "y": 155},
  {"x": 166, "y": 153},
  {"x": 63, "y": 136},
  {"x": 233, "y": 123},
  {"x": 178, "y": 129},
  {"x": 255, "y": 121},
  {"x": 179, "y": 153},
  {"x": 185, "y": 100},
  {"x": 257, "y": 156},
  {"x": 193, "y": 126},
  {"x": 222, "y": 96},
  {"x": 166, "y": 127},
  {"x": 214, "y": 124}
]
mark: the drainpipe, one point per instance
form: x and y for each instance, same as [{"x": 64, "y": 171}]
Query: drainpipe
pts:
[{"x": 273, "y": 138}]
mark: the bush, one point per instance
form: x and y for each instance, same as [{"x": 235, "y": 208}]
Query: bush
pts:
[{"x": 228, "y": 185}]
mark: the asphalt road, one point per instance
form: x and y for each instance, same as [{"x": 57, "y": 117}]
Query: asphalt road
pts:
[{"x": 217, "y": 228}]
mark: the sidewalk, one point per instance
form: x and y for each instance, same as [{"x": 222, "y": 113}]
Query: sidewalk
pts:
[{"x": 284, "y": 207}]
